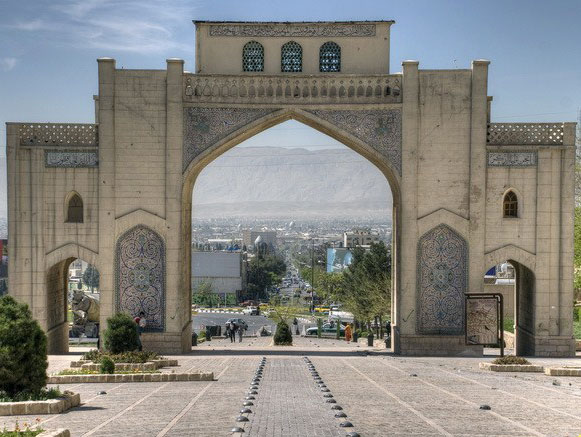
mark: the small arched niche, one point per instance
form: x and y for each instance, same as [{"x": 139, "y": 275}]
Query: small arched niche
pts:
[{"x": 74, "y": 212}]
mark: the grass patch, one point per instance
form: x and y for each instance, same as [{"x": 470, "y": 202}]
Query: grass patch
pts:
[
  {"x": 43, "y": 395},
  {"x": 511, "y": 359},
  {"x": 67, "y": 372},
  {"x": 508, "y": 324},
  {"x": 134, "y": 357},
  {"x": 577, "y": 329}
]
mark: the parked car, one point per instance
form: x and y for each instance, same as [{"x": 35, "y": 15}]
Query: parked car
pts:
[
  {"x": 251, "y": 311},
  {"x": 328, "y": 328},
  {"x": 238, "y": 322}
]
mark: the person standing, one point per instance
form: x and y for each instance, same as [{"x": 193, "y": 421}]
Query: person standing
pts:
[
  {"x": 232, "y": 331},
  {"x": 240, "y": 332},
  {"x": 141, "y": 323}
]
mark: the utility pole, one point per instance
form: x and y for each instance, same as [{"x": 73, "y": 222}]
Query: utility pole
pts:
[{"x": 312, "y": 274}]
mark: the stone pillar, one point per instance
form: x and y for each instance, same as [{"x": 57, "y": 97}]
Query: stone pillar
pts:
[
  {"x": 178, "y": 287},
  {"x": 405, "y": 299},
  {"x": 106, "y": 187},
  {"x": 477, "y": 189}
]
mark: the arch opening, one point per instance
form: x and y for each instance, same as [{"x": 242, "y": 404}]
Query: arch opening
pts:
[
  {"x": 219, "y": 153},
  {"x": 72, "y": 304},
  {"x": 516, "y": 282}
]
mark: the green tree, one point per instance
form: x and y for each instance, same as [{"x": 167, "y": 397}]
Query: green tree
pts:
[
  {"x": 91, "y": 277},
  {"x": 204, "y": 294},
  {"x": 23, "y": 359},
  {"x": 263, "y": 272}
]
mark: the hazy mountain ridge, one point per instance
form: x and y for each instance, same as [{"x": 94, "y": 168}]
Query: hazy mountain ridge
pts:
[
  {"x": 293, "y": 182},
  {"x": 274, "y": 181}
]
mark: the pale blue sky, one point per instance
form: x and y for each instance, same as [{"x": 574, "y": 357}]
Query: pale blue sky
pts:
[{"x": 48, "y": 48}]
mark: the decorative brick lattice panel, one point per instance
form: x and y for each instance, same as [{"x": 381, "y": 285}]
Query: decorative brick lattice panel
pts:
[
  {"x": 140, "y": 276},
  {"x": 59, "y": 134},
  {"x": 442, "y": 280},
  {"x": 293, "y": 89},
  {"x": 525, "y": 133}
]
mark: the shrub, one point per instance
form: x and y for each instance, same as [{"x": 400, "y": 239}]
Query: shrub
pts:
[
  {"x": 95, "y": 356},
  {"x": 511, "y": 359},
  {"x": 107, "y": 365},
  {"x": 23, "y": 360},
  {"x": 283, "y": 335},
  {"x": 121, "y": 334}
]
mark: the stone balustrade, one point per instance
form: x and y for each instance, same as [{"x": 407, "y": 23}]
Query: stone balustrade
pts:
[
  {"x": 525, "y": 133},
  {"x": 293, "y": 88},
  {"x": 59, "y": 134}
]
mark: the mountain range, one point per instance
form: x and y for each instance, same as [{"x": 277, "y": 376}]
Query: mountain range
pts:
[{"x": 282, "y": 182}]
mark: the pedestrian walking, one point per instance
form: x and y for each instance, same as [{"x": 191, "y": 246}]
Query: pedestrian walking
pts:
[
  {"x": 296, "y": 326},
  {"x": 141, "y": 323},
  {"x": 232, "y": 331},
  {"x": 348, "y": 332}
]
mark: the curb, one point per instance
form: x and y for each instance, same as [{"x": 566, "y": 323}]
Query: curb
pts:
[
  {"x": 563, "y": 371},
  {"x": 511, "y": 367},
  {"x": 143, "y": 377},
  {"x": 50, "y": 406},
  {"x": 149, "y": 365},
  {"x": 56, "y": 433}
]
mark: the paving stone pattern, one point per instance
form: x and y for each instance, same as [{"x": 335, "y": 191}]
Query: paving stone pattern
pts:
[
  {"x": 382, "y": 395},
  {"x": 289, "y": 403}
]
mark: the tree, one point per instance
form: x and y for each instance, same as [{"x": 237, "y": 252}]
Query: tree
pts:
[
  {"x": 204, "y": 294},
  {"x": 91, "y": 277},
  {"x": 263, "y": 272},
  {"x": 23, "y": 358}
]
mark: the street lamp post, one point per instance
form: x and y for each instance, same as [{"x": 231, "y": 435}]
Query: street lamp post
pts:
[{"x": 312, "y": 275}]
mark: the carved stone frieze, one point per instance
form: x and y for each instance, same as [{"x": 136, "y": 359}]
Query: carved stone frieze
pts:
[
  {"x": 293, "y": 30},
  {"x": 380, "y": 129},
  {"x": 204, "y": 127},
  {"x": 71, "y": 159},
  {"x": 512, "y": 159}
]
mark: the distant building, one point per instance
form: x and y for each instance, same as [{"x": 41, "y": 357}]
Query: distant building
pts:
[
  {"x": 221, "y": 269},
  {"x": 360, "y": 237},
  {"x": 268, "y": 237}
]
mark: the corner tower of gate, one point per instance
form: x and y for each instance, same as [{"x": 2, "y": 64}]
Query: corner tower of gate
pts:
[{"x": 428, "y": 131}]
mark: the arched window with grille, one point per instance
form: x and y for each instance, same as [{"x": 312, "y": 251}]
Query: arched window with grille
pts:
[
  {"x": 330, "y": 58},
  {"x": 291, "y": 57},
  {"x": 74, "y": 209},
  {"x": 510, "y": 205},
  {"x": 253, "y": 56}
]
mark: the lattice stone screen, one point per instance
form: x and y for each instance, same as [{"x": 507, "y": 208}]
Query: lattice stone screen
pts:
[
  {"x": 525, "y": 133},
  {"x": 291, "y": 58},
  {"x": 58, "y": 134},
  {"x": 330, "y": 58},
  {"x": 253, "y": 57}
]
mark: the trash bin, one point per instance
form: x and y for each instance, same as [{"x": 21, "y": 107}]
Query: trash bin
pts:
[
  {"x": 194, "y": 339},
  {"x": 208, "y": 333},
  {"x": 370, "y": 340},
  {"x": 355, "y": 336}
]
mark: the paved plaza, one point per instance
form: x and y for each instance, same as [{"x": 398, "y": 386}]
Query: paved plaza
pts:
[{"x": 381, "y": 395}]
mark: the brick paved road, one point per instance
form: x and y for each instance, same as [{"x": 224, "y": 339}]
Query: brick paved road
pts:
[{"x": 379, "y": 394}]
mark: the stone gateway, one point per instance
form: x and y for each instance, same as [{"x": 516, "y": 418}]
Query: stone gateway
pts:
[{"x": 468, "y": 194}]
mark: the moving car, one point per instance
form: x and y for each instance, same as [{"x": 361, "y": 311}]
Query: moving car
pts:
[
  {"x": 251, "y": 311},
  {"x": 238, "y": 322},
  {"x": 328, "y": 328}
]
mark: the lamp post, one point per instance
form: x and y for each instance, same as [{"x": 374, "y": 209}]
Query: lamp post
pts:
[
  {"x": 312, "y": 275},
  {"x": 257, "y": 244}
]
